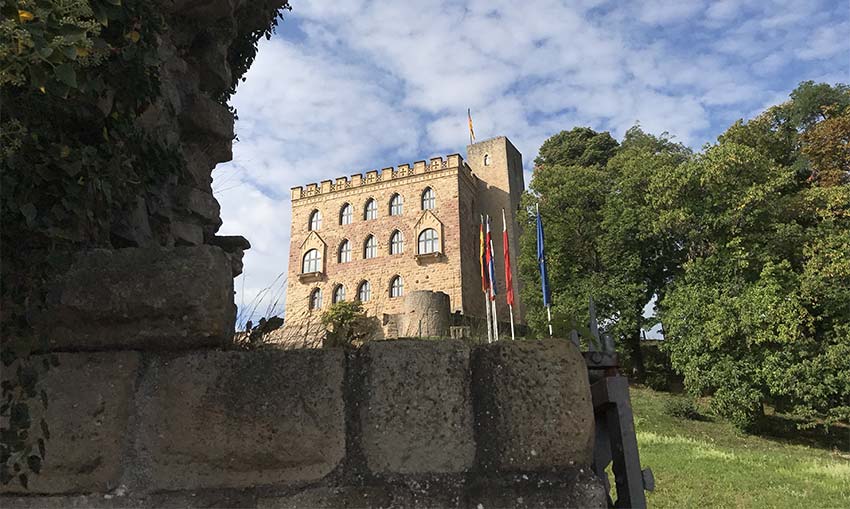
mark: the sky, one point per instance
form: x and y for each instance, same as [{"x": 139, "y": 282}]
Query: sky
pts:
[{"x": 347, "y": 86}]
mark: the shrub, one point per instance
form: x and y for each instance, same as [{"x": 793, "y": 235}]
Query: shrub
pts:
[
  {"x": 682, "y": 408},
  {"x": 347, "y": 325}
]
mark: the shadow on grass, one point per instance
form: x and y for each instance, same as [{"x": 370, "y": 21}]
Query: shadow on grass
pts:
[{"x": 784, "y": 429}]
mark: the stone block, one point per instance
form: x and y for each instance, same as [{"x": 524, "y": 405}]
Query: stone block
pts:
[
  {"x": 142, "y": 298},
  {"x": 187, "y": 233},
  {"x": 422, "y": 493},
  {"x": 533, "y": 406},
  {"x": 240, "y": 419},
  {"x": 200, "y": 204},
  {"x": 416, "y": 412},
  {"x": 210, "y": 123},
  {"x": 90, "y": 396},
  {"x": 330, "y": 498},
  {"x": 577, "y": 488}
]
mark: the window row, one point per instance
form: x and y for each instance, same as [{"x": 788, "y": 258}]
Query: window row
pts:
[
  {"x": 428, "y": 243},
  {"x": 364, "y": 292},
  {"x": 370, "y": 210}
]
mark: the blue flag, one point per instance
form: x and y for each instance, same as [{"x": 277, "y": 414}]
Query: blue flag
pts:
[{"x": 541, "y": 260}]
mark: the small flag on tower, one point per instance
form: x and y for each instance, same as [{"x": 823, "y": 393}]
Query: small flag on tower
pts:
[{"x": 471, "y": 132}]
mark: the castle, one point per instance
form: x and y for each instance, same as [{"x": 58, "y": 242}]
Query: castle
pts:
[{"x": 380, "y": 236}]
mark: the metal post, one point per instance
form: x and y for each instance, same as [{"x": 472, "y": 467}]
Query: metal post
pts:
[{"x": 495, "y": 322}]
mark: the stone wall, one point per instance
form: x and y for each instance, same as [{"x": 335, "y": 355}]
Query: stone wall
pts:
[{"x": 394, "y": 424}]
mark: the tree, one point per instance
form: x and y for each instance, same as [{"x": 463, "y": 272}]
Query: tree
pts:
[
  {"x": 761, "y": 309},
  {"x": 571, "y": 185},
  {"x": 347, "y": 324},
  {"x": 595, "y": 197}
]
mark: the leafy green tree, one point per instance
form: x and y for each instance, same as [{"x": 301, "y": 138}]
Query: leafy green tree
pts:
[
  {"x": 347, "y": 324},
  {"x": 761, "y": 309},
  {"x": 595, "y": 196},
  {"x": 571, "y": 185}
]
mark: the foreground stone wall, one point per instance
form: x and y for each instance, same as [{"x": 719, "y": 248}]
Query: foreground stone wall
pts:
[{"x": 395, "y": 424}]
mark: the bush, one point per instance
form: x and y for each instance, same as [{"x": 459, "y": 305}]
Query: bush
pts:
[
  {"x": 682, "y": 408},
  {"x": 347, "y": 325}
]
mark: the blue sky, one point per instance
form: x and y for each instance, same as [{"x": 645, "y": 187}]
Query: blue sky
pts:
[{"x": 348, "y": 86}]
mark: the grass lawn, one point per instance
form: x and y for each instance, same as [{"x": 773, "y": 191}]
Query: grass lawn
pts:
[{"x": 707, "y": 463}]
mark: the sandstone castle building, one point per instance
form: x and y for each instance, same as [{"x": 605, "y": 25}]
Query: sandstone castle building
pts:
[{"x": 380, "y": 236}]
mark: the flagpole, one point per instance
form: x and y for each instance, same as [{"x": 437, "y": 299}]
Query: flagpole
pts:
[
  {"x": 492, "y": 271},
  {"x": 489, "y": 327},
  {"x": 483, "y": 286},
  {"x": 495, "y": 321},
  {"x": 509, "y": 290},
  {"x": 542, "y": 262}
]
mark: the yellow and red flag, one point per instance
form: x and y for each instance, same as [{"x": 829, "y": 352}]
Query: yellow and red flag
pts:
[{"x": 471, "y": 132}]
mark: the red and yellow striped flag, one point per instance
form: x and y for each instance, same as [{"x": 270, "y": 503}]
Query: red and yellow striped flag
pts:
[{"x": 471, "y": 132}]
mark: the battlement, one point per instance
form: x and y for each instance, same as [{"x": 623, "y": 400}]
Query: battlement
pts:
[{"x": 376, "y": 176}]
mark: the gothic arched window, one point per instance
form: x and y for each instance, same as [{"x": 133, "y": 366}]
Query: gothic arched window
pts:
[
  {"x": 428, "y": 241},
  {"x": 396, "y": 205},
  {"x": 345, "y": 214},
  {"x": 370, "y": 247},
  {"x": 338, "y": 294},
  {"x": 312, "y": 262},
  {"x": 396, "y": 243},
  {"x": 364, "y": 291},
  {"x": 316, "y": 299},
  {"x": 344, "y": 252},
  {"x": 371, "y": 210},
  {"x": 396, "y": 287},
  {"x": 428, "y": 199},
  {"x": 315, "y": 221}
]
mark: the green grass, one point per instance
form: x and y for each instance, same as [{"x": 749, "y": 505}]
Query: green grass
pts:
[{"x": 708, "y": 463}]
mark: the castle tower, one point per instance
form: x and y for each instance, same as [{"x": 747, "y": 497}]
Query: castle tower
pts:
[{"x": 498, "y": 166}]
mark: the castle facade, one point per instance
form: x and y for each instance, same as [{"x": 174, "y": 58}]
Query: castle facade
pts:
[{"x": 376, "y": 237}]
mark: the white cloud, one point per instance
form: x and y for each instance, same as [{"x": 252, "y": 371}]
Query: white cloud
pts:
[{"x": 363, "y": 84}]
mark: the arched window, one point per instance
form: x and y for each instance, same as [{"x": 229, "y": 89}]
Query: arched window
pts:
[
  {"x": 396, "y": 205},
  {"x": 486, "y": 159},
  {"x": 339, "y": 294},
  {"x": 428, "y": 200},
  {"x": 370, "y": 247},
  {"x": 396, "y": 287},
  {"x": 371, "y": 210},
  {"x": 345, "y": 251},
  {"x": 364, "y": 291},
  {"x": 312, "y": 262},
  {"x": 345, "y": 214},
  {"x": 396, "y": 243},
  {"x": 315, "y": 221},
  {"x": 428, "y": 241},
  {"x": 316, "y": 299}
]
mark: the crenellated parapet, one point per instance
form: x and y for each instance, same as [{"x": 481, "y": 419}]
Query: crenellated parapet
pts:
[{"x": 435, "y": 164}]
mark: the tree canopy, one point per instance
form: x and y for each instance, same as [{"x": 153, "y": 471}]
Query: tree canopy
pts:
[{"x": 745, "y": 247}]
